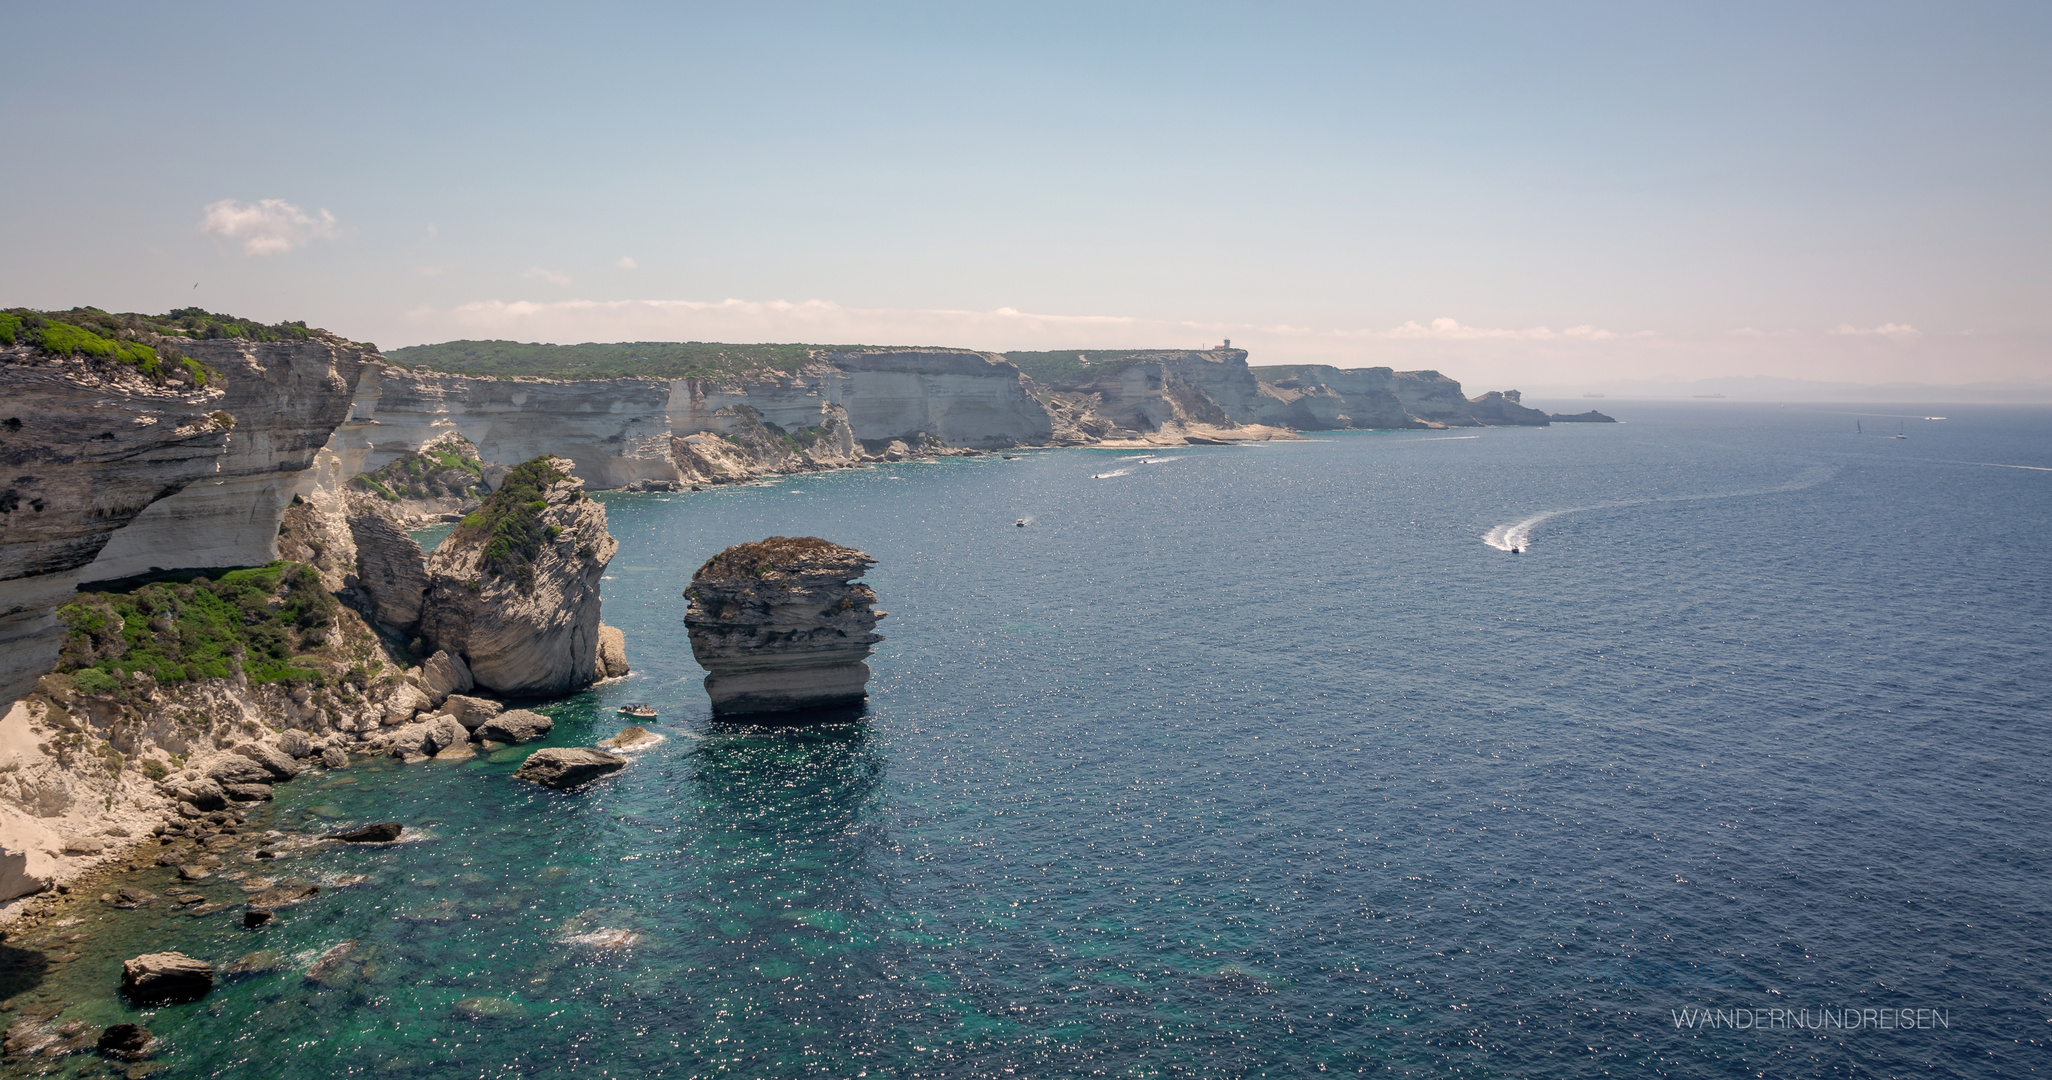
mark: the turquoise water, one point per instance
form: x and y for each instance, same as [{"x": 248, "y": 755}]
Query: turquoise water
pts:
[{"x": 1255, "y": 761}]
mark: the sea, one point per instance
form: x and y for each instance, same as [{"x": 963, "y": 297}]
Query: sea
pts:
[{"x": 1712, "y": 743}]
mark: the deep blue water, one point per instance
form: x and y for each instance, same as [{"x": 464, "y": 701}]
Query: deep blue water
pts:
[{"x": 1259, "y": 761}]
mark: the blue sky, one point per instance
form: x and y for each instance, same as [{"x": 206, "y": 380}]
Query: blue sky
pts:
[{"x": 1553, "y": 194}]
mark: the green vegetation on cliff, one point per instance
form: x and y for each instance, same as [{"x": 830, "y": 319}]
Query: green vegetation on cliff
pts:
[
  {"x": 448, "y": 467},
  {"x": 510, "y": 521},
  {"x": 272, "y": 622},
  {"x": 631, "y": 359},
  {"x": 148, "y": 343}
]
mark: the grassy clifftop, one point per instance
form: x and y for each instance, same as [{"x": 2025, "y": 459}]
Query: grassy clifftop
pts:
[
  {"x": 629, "y": 359},
  {"x": 1074, "y": 365},
  {"x": 148, "y": 343}
]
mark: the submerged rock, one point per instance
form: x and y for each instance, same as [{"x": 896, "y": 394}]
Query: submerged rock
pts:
[
  {"x": 384, "y": 832},
  {"x": 154, "y": 978},
  {"x": 334, "y": 966},
  {"x": 516, "y": 586},
  {"x": 128, "y": 1042},
  {"x": 780, "y": 624},
  {"x": 633, "y": 738},
  {"x": 566, "y": 767},
  {"x": 488, "y": 1008}
]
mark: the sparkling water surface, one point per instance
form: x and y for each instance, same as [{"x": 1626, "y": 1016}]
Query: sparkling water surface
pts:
[{"x": 1251, "y": 761}]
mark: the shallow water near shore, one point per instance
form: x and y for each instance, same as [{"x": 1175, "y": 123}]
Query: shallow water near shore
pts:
[{"x": 1241, "y": 761}]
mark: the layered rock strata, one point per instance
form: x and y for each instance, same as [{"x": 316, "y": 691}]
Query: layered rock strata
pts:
[
  {"x": 287, "y": 398},
  {"x": 514, "y": 591},
  {"x": 87, "y": 445},
  {"x": 781, "y": 625}
]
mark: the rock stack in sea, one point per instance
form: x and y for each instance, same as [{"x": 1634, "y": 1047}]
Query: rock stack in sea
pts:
[
  {"x": 515, "y": 589},
  {"x": 781, "y": 625}
]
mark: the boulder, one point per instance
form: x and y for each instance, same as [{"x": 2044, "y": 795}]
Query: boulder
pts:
[
  {"x": 444, "y": 732},
  {"x": 226, "y": 769},
  {"x": 254, "y": 916},
  {"x": 278, "y": 763},
  {"x": 518, "y": 596},
  {"x": 295, "y": 744},
  {"x": 410, "y": 739},
  {"x": 471, "y": 711},
  {"x": 612, "y": 652},
  {"x": 155, "y": 978},
  {"x": 248, "y": 792},
  {"x": 566, "y": 767},
  {"x": 515, "y": 726},
  {"x": 780, "y": 625},
  {"x": 406, "y": 700},
  {"x": 445, "y": 674},
  {"x": 334, "y": 757},
  {"x": 203, "y": 792},
  {"x": 384, "y": 832}
]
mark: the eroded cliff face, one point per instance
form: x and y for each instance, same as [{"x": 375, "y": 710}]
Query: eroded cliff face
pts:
[
  {"x": 781, "y": 625},
  {"x": 287, "y": 398},
  {"x": 86, "y": 446},
  {"x": 517, "y": 595},
  {"x": 615, "y": 431}
]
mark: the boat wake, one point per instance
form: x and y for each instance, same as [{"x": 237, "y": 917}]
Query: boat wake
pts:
[
  {"x": 1517, "y": 535},
  {"x": 1109, "y": 475},
  {"x": 2000, "y": 465}
]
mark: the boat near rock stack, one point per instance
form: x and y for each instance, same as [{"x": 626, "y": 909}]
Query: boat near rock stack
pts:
[{"x": 638, "y": 711}]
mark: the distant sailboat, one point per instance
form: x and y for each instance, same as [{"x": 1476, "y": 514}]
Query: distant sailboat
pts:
[
  {"x": 1899, "y": 434},
  {"x": 1856, "y": 428}
]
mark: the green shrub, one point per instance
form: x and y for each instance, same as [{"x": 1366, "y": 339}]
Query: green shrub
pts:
[
  {"x": 10, "y": 325},
  {"x": 249, "y": 619},
  {"x": 154, "y": 769},
  {"x": 95, "y": 681},
  {"x": 511, "y": 520}
]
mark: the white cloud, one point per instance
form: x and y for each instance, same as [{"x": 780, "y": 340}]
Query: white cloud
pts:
[
  {"x": 267, "y": 226},
  {"x": 1895, "y": 331},
  {"x": 1444, "y": 329},
  {"x": 549, "y": 276},
  {"x": 627, "y": 263}
]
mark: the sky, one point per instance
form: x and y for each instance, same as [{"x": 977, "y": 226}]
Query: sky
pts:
[{"x": 1558, "y": 195}]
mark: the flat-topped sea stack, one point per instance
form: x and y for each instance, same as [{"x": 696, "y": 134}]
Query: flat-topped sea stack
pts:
[{"x": 781, "y": 625}]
